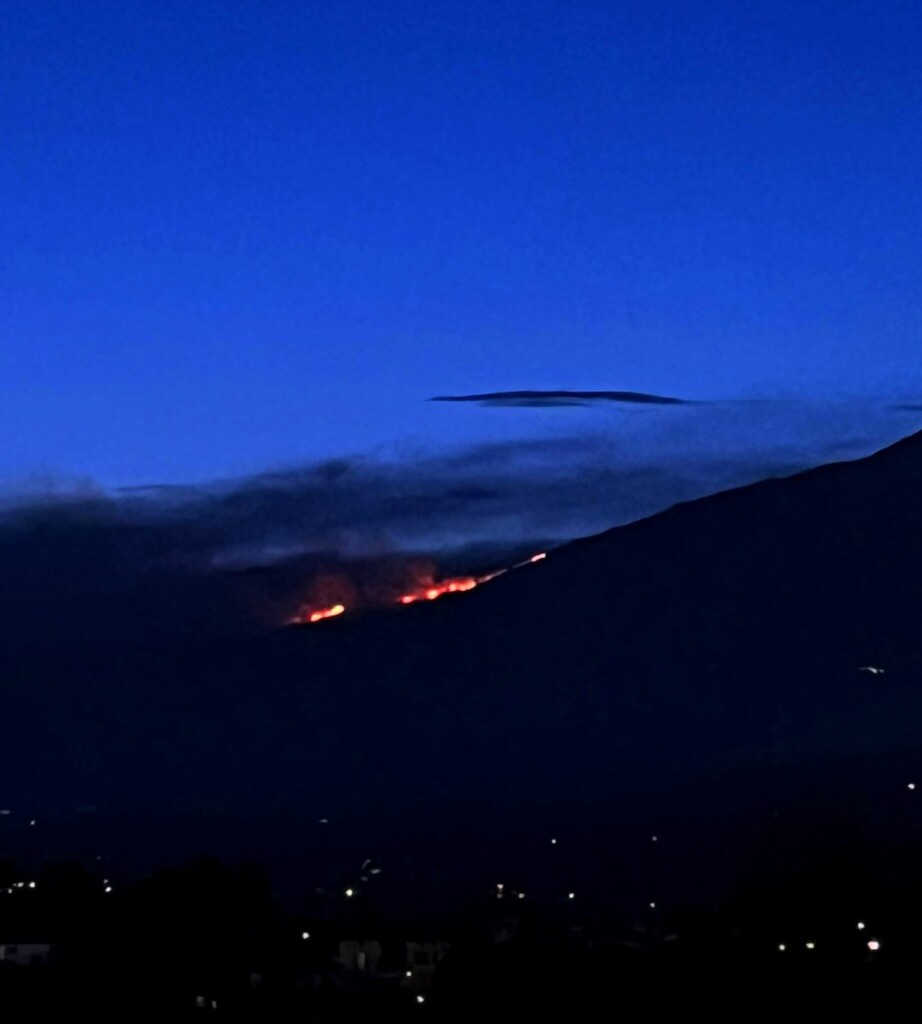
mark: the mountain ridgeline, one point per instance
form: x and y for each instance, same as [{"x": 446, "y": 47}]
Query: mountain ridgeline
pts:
[{"x": 728, "y": 630}]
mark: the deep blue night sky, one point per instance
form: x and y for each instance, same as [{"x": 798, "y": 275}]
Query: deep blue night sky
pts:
[{"x": 244, "y": 234}]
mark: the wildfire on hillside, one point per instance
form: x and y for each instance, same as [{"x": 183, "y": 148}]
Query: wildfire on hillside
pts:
[{"x": 424, "y": 588}]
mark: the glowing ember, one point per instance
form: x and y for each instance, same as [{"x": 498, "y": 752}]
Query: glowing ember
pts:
[
  {"x": 325, "y": 613},
  {"x": 530, "y": 561}
]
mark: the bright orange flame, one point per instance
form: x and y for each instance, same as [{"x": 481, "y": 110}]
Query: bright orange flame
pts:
[
  {"x": 326, "y": 613},
  {"x": 432, "y": 591}
]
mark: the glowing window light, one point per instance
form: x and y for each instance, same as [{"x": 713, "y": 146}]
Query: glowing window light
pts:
[
  {"x": 521, "y": 895},
  {"x": 409, "y": 974}
]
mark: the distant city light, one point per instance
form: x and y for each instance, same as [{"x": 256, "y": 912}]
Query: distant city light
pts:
[
  {"x": 305, "y": 935},
  {"x": 521, "y": 895},
  {"x": 5, "y": 811},
  {"x": 873, "y": 945},
  {"x": 653, "y": 906},
  {"x": 33, "y": 822},
  {"x": 782, "y": 947},
  {"x": 811, "y": 945},
  {"x": 409, "y": 974},
  {"x": 350, "y": 892},
  {"x": 420, "y": 999},
  {"x": 500, "y": 886},
  {"x": 108, "y": 888},
  {"x": 654, "y": 839},
  {"x": 31, "y": 885},
  {"x": 571, "y": 895},
  {"x": 553, "y": 842},
  {"x": 911, "y": 785},
  {"x": 873, "y": 670},
  {"x": 861, "y": 926}
]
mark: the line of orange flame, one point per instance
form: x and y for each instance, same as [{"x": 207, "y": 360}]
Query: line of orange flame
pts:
[{"x": 427, "y": 593}]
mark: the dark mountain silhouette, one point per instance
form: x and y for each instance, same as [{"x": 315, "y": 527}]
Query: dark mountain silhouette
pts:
[
  {"x": 722, "y": 633},
  {"x": 726, "y": 630}
]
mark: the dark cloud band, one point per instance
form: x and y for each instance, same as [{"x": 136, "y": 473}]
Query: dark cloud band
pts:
[{"x": 552, "y": 399}]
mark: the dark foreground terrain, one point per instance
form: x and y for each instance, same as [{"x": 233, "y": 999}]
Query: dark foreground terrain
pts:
[{"x": 673, "y": 768}]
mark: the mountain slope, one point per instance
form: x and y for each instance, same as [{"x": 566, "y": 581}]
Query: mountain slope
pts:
[
  {"x": 722, "y": 632},
  {"x": 726, "y": 629}
]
